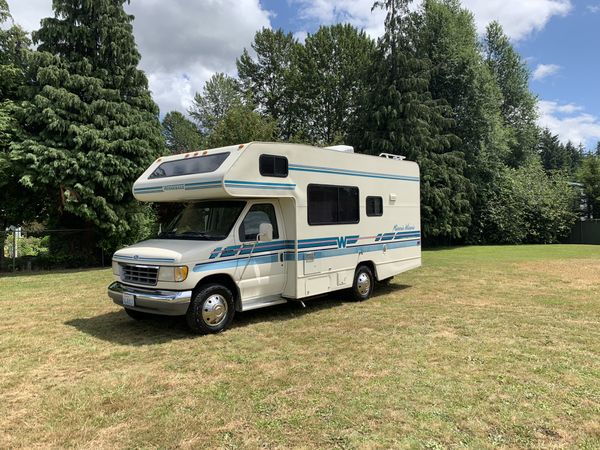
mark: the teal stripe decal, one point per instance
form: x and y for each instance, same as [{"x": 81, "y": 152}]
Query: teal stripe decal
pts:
[
  {"x": 179, "y": 187},
  {"x": 355, "y": 173}
]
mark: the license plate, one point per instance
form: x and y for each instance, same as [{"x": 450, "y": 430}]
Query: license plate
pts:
[{"x": 128, "y": 300}]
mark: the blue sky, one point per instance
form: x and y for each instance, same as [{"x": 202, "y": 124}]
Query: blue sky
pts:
[{"x": 184, "y": 42}]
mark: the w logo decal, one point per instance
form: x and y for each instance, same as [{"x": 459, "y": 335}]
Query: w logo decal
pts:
[
  {"x": 341, "y": 242},
  {"x": 344, "y": 241}
]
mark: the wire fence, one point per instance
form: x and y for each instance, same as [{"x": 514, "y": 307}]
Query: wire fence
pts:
[{"x": 25, "y": 250}]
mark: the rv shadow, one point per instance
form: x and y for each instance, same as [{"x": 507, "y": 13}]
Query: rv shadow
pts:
[{"x": 118, "y": 328}]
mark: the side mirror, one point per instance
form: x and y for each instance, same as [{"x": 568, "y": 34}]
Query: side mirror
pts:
[{"x": 265, "y": 232}]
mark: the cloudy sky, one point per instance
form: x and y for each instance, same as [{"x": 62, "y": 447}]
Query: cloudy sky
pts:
[{"x": 183, "y": 42}]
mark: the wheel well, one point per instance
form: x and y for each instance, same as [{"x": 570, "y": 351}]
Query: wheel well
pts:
[
  {"x": 370, "y": 265},
  {"x": 225, "y": 280}
]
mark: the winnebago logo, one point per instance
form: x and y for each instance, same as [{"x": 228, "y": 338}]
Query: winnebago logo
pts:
[
  {"x": 344, "y": 241},
  {"x": 174, "y": 187}
]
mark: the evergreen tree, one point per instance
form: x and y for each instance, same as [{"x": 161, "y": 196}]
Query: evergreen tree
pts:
[
  {"x": 518, "y": 103},
  {"x": 17, "y": 203},
  {"x": 240, "y": 125},
  {"x": 401, "y": 117},
  {"x": 180, "y": 134},
  {"x": 220, "y": 94},
  {"x": 333, "y": 65},
  {"x": 448, "y": 38},
  {"x": 589, "y": 175},
  {"x": 91, "y": 125},
  {"x": 271, "y": 79}
]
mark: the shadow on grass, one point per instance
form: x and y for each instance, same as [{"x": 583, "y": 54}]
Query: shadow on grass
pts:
[{"x": 118, "y": 328}]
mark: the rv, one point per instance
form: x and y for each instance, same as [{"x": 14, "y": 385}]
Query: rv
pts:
[{"x": 266, "y": 223}]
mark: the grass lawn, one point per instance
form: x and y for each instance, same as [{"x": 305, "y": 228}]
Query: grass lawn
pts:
[{"x": 482, "y": 347}]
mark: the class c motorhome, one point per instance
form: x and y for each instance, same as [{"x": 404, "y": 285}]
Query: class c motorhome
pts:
[{"x": 265, "y": 223}]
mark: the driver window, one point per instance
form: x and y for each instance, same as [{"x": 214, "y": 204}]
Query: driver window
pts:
[{"x": 263, "y": 213}]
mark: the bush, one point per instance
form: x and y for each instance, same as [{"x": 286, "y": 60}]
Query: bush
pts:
[{"x": 529, "y": 206}]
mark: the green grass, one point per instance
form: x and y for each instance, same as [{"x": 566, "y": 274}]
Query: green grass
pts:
[{"x": 482, "y": 347}]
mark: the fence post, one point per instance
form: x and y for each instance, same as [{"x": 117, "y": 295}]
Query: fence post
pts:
[{"x": 14, "y": 252}]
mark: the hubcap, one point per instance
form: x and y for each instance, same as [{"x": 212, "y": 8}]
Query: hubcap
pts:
[
  {"x": 214, "y": 310},
  {"x": 363, "y": 284}
]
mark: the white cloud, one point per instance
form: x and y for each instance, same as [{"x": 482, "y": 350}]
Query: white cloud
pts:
[
  {"x": 182, "y": 42},
  {"x": 355, "y": 12},
  {"x": 301, "y": 35},
  {"x": 593, "y": 8},
  {"x": 545, "y": 70},
  {"x": 518, "y": 17},
  {"x": 570, "y": 122}
]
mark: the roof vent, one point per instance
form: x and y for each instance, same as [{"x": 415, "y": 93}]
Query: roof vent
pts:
[
  {"x": 341, "y": 148},
  {"x": 392, "y": 156}
]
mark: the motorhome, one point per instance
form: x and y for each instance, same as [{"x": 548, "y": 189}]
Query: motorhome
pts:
[{"x": 261, "y": 224}]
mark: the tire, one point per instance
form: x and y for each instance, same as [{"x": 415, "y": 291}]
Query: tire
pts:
[
  {"x": 137, "y": 315},
  {"x": 363, "y": 284},
  {"x": 211, "y": 310}
]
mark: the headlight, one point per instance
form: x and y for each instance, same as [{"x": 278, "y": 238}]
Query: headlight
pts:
[
  {"x": 178, "y": 273},
  {"x": 116, "y": 268}
]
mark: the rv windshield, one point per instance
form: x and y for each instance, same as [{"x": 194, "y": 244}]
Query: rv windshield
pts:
[{"x": 210, "y": 221}]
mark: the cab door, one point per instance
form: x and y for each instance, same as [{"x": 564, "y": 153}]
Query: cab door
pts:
[{"x": 261, "y": 270}]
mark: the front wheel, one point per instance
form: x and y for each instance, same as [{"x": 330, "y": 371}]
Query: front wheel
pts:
[
  {"x": 211, "y": 310},
  {"x": 362, "y": 288}
]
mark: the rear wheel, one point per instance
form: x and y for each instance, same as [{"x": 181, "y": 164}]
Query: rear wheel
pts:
[
  {"x": 211, "y": 310},
  {"x": 362, "y": 288}
]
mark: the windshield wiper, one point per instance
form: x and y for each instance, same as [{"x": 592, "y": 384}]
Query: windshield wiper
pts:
[{"x": 190, "y": 235}]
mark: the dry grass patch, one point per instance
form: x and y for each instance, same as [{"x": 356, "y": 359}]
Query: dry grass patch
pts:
[{"x": 480, "y": 348}]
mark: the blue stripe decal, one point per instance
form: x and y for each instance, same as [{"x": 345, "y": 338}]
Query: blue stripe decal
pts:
[
  {"x": 290, "y": 256},
  {"x": 179, "y": 187},
  {"x": 262, "y": 183},
  {"x": 360, "y": 248},
  {"x": 356, "y": 173},
  {"x": 237, "y": 262}
]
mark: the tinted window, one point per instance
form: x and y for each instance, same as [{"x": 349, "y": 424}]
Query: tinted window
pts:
[
  {"x": 273, "y": 166},
  {"x": 264, "y": 213},
  {"x": 329, "y": 205},
  {"x": 187, "y": 166},
  {"x": 374, "y": 206}
]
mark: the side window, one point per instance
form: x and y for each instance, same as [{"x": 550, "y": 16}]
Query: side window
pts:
[
  {"x": 328, "y": 205},
  {"x": 263, "y": 213},
  {"x": 374, "y": 206},
  {"x": 273, "y": 166}
]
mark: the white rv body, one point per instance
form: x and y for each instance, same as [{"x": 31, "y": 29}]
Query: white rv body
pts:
[{"x": 303, "y": 259}]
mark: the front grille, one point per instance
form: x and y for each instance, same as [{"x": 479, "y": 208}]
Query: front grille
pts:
[{"x": 146, "y": 275}]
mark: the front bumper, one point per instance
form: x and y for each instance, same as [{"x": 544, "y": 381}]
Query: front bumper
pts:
[{"x": 169, "y": 303}]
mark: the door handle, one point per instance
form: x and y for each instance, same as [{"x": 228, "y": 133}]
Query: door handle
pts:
[{"x": 281, "y": 257}]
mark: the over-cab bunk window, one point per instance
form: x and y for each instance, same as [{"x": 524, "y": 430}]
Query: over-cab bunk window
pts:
[
  {"x": 189, "y": 166},
  {"x": 330, "y": 205},
  {"x": 273, "y": 166}
]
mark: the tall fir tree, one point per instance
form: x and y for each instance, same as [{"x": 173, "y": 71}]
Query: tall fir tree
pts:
[
  {"x": 220, "y": 94},
  {"x": 270, "y": 78},
  {"x": 448, "y": 38},
  {"x": 333, "y": 66},
  {"x": 17, "y": 203},
  {"x": 90, "y": 122},
  {"x": 181, "y": 135},
  {"x": 519, "y": 105},
  {"x": 401, "y": 117}
]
